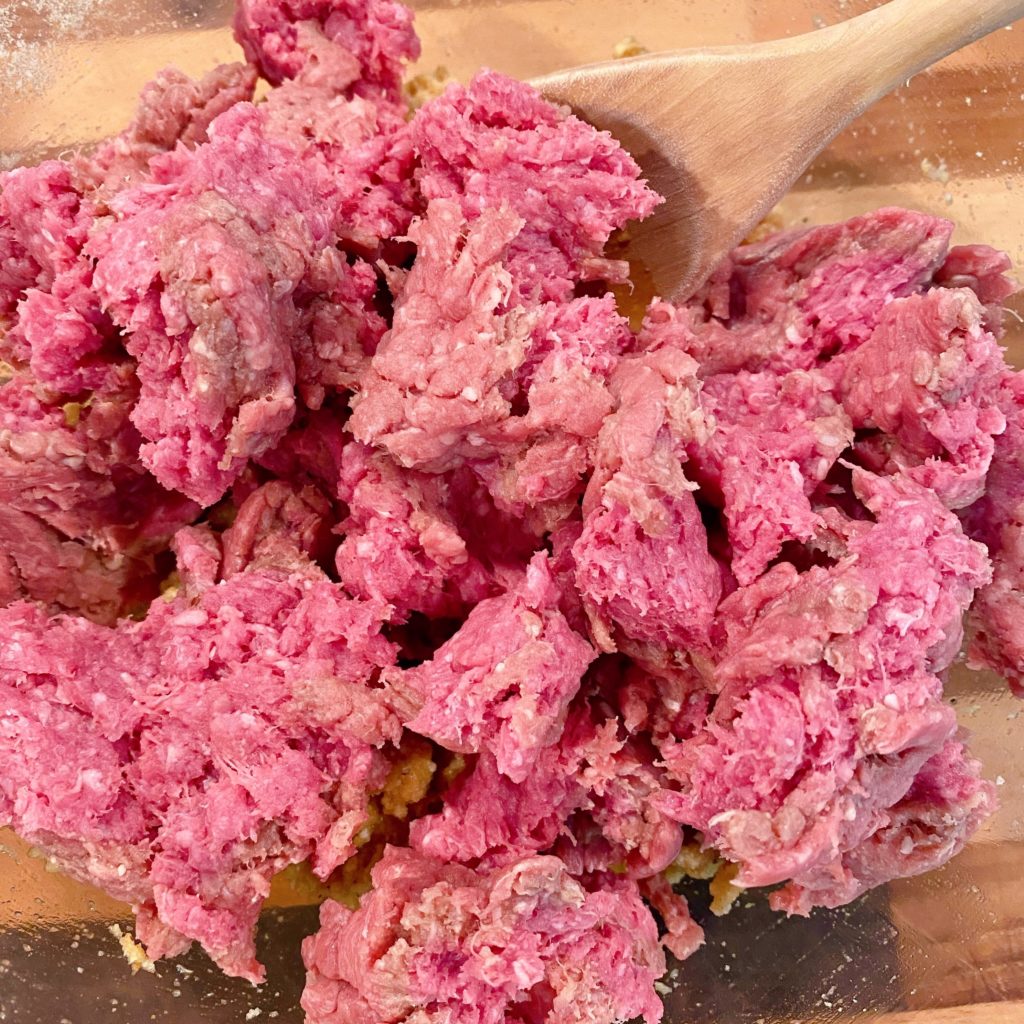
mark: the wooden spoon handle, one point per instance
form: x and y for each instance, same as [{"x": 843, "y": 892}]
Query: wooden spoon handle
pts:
[{"x": 893, "y": 42}]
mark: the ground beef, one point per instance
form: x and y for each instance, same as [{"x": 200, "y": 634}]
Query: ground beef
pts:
[
  {"x": 173, "y": 109},
  {"x": 998, "y": 521},
  {"x": 323, "y": 440},
  {"x": 181, "y": 761},
  {"x": 926, "y": 379},
  {"x": 496, "y": 143},
  {"x": 504, "y": 681},
  {"x": 784, "y": 303},
  {"x": 829, "y": 699},
  {"x": 360, "y": 46},
  {"x": 401, "y": 544},
  {"x": 598, "y": 777},
  {"x": 525, "y": 942}
]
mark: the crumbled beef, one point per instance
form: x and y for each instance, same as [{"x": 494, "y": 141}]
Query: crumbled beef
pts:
[
  {"x": 926, "y": 378},
  {"x": 279, "y": 525},
  {"x": 401, "y": 544},
  {"x": 829, "y": 699},
  {"x": 504, "y": 682},
  {"x": 945, "y": 805},
  {"x": 985, "y": 271},
  {"x": 439, "y": 397},
  {"x": 588, "y": 796},
  {"x": 359, "y": 372},
  {"x": 43, "y": 225},
  {"x": 801, "y": 295},
  {"x": 201, "y": 271},
  {"x": 360, "y": 46},
  {"x": 642, "y": 560},
  {"x": 82, "y": 520},
  {"x": 179, "y": 762},
  {"x": 527, "y": 942},
  {"x": 173, "y": 109},
  {"x": 997, "y": 616},
  {"x": 498, "y": 143},
  {"x": 432, "y": 392},
  {"x": 777, "y": 437}
]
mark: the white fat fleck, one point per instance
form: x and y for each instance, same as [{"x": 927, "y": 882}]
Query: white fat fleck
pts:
[
  {"x": 907, "y": 846},
  {"x": 850, "y": 814},
  {"x": 190, "y": 617},
  {"x": 470, "y": 394},
  {"x": 890, "y": 701}
]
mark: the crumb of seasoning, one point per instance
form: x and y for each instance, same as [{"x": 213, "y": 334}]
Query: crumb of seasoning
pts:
[
  {"x": 133, "y": 952},
  {"x": 692, "y": 862},
  {"x": 723, "y": 892},
  {"x": 936, "y": 170},
  {"x": 629, "y": 47},
  {"x": 771, "y": 223},
  {"x": 426, "y": 86}
]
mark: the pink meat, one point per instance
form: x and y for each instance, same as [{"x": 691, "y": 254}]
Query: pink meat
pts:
[
  {"x": 777, "y": 437},
  {"x": 590, "y": 793},
  {"x": 986, "y": 272},
  {"x": 527, "y": 942},
  {"x": 338, "y": 66},
  {"x": 354, "y": 46},
  {"x": 830, "y": 699},
  {"x": 378, "y": 344},
  {"x": 661, "y": 586},
  {"x": 56, "y": 324},
  {"x": 43, "y": 224},
  {"x": 279, "y": 525},
  {"x": 802, "y": 295},
  {"x": 945, "y": 805},
  {"x": 464, "y": 376},
  {"x": 997, "y": 616},
  {"x": 504, "y": 681},
  {"x": 180, "y": 761},
  {"x": 496, "y": 143},
  {"x": 82, "y": 518},
  {"x": 401, "y": 545},
  {"x": 433, "y": 391},
  {"x": 202, "y": 271},
  {"x": 39, "y": 563},
  {"x": 927, "y": 378},
  {"x": 642, "y": 565},
  {"x": 545, "y": 454},
  {"x": 172, "y": 109}
]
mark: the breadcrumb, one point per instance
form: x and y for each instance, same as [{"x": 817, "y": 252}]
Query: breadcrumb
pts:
[
  {"x": 426, "y": 86},
  {"x": 133, "y": 951},
  {"x": 629, "y": 47}
]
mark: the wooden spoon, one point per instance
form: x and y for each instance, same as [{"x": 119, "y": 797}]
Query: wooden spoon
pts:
[{"x": 724, "y": 133}]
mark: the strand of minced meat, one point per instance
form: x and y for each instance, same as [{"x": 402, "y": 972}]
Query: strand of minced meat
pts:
[{"x": 359, "y": 373}]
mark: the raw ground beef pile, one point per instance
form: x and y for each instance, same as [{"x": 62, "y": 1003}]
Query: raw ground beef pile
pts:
[{"x": 324, "y": 445}]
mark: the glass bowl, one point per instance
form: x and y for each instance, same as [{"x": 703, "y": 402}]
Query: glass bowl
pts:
[{"x": 942, "y": 949}]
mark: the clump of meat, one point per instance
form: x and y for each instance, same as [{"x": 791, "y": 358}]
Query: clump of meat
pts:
[
  {"x": 181, "y": 761},
  {"x": 528, "y": 941},
  {"x": 443, "y": 525}
]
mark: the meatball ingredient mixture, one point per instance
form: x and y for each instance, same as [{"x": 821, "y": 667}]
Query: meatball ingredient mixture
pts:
[{"x": 326, "y": 451}]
